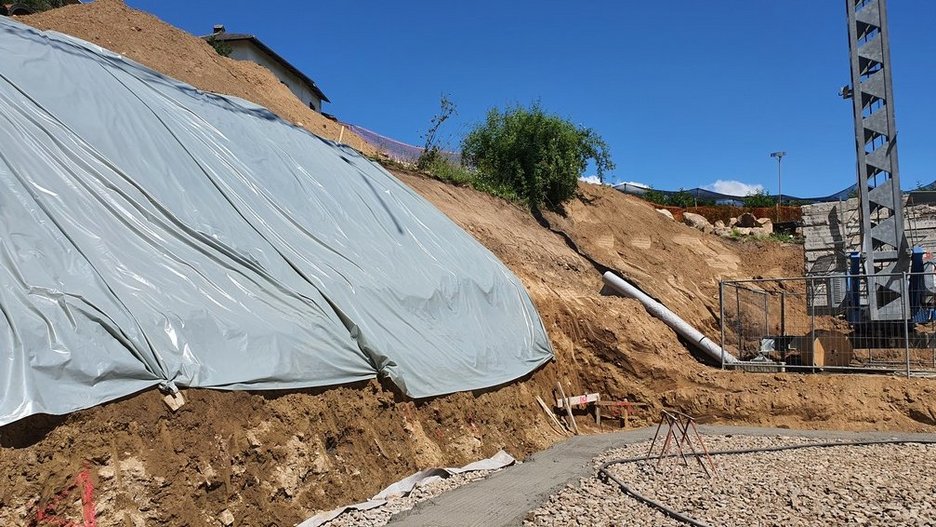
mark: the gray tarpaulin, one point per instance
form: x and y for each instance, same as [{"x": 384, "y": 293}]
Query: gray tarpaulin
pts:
[{"x": 152, "y": 234}]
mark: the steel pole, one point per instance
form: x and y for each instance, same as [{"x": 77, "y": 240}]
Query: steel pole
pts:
[
  {"x": 904, "y": 300},
  {"x": 779, "y": 190},
  {"x": 779, "y": 155},
  {"x": 721, "y": 320}
]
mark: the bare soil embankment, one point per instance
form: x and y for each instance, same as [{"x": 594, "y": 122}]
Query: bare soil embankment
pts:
[{"x": 180, "y": 55}]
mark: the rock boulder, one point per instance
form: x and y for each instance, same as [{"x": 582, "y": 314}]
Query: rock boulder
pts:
[
  {"x": 697, "y": 221},
  {"x": 766, "y": 224},
  {"x": 747, "y": 220}
]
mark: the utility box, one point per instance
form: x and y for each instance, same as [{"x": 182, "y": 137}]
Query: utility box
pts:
[{"x": 828, "y": 349}]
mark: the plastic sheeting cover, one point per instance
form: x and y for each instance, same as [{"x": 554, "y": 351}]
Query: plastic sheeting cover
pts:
[{"x": 152, "y": 234}]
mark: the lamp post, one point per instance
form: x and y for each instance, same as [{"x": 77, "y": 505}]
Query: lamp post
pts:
[{"x": 779, "y": 156}]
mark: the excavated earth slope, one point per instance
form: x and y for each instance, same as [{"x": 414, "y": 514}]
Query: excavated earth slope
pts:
[
  {"x": 272, "y": 458},
  {"x": 173, "y": 52}
]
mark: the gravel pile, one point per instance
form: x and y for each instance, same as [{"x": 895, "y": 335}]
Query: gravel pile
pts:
[
  {"x": 381, "y": 515},
  {"x": 841, "y": 485}
]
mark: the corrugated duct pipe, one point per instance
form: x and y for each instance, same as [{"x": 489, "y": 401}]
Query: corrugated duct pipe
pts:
[{"x": 671, "y": 319}]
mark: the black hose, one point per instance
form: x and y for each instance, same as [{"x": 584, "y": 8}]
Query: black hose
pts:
[{"x": 678, "y": 516}]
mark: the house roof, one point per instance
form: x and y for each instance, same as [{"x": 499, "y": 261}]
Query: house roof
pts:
[{"x": 231, "y": 37}]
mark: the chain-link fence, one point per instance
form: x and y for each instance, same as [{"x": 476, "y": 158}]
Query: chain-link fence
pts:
[
  {"x": 823, "y": 323},
  {"x": 398, "y": 151}
]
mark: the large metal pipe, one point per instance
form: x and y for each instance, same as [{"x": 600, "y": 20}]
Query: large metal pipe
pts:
[{"x": 671, "y": 319}]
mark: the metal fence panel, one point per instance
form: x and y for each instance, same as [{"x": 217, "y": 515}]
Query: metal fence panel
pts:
[{"x": 817, "y": 323}]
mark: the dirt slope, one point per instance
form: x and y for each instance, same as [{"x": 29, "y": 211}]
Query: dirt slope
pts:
[
  {"x": 169, "y": 50},
  {"x": 274, "y": 458},
  {"x": 670, "y": 261},
  {"x": 610, "y": 344}
]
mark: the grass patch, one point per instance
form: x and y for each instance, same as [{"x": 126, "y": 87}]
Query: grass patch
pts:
[
  {"x": 444, "y": 170},
  {"x": 449, "y": 172}
]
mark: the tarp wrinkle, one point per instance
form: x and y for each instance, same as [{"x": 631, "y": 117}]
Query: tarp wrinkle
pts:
[{"x": 155, "y": 235}]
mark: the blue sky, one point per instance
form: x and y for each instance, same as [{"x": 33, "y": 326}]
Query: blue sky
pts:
[{"x": 686, "y": 93}]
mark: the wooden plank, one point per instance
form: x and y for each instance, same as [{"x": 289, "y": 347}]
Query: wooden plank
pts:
[
  {"x": 555, "y": 420},
  {"x": 579, "y": 399}
]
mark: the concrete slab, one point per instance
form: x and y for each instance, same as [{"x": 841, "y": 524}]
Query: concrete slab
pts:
[{"x": 507, "y": 496}]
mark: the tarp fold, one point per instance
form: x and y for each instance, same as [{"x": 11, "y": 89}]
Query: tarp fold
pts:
[{"x": 151, "y": 233}]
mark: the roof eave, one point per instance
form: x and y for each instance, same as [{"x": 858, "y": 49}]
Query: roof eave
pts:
[{"x": 230, "y": 37}]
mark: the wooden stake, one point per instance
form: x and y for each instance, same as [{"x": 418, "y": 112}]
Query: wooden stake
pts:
[
  {"x": 568, "y": 407},
  {"x": 552, "y": 416}
]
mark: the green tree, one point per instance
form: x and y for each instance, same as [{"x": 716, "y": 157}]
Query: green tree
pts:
[
  {"x": 759, "y": 199},
  {"x": 682, "y": 198},
  {"x": 536, "y": 156},
  {"x": 655, "y": 196}
]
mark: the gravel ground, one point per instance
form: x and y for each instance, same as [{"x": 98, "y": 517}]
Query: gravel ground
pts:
[
  {"x": 842, "y": 485},
  {"x": 381, "y": 515}
]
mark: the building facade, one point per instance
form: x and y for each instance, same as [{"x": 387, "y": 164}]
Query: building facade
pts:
[{"x": 248, "y": 47}]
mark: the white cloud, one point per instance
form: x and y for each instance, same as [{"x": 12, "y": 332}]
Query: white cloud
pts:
[
  {"x": 733, "y": 188},
  {"x": 594, "y": 180}
]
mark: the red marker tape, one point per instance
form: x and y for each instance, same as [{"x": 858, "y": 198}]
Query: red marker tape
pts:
[{"x": 48, "y": 515}]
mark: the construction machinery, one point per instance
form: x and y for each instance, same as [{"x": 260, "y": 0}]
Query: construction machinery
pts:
[
  {"x": 886, "y": 278},
  {"x": 868, "y": 309}
]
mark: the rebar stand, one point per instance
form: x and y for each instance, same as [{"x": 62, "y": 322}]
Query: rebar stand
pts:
[{"x": 678, "y": 426}]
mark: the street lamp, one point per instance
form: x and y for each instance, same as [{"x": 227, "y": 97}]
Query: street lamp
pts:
[{"x": 779, "y": 156}]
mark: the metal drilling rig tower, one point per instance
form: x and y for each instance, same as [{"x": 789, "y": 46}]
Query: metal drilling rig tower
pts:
[{"x": 885, "y": 249}]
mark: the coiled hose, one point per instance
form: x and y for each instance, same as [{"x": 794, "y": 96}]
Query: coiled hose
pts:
[{"x": 604, "y": 474}]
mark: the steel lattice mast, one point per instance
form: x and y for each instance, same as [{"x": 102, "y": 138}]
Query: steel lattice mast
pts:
[{"x": 884, "y": 242}]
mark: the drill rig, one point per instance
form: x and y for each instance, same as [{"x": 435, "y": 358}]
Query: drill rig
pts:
[
  {"x": 866, "y": 298},
  {"x": 885, "y": 281}
]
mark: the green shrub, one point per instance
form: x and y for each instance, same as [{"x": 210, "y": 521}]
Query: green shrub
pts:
[
  {"x": 683, "y": 198},
  {"x": 221, "y": 47},
  {"x": 656, "y": 197},
  {"x": 442, "y": 169},
  {"x": 445, "y": 170},
  {"x": 759, "y": 199},
  {"x": 534, "y": 155}
]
